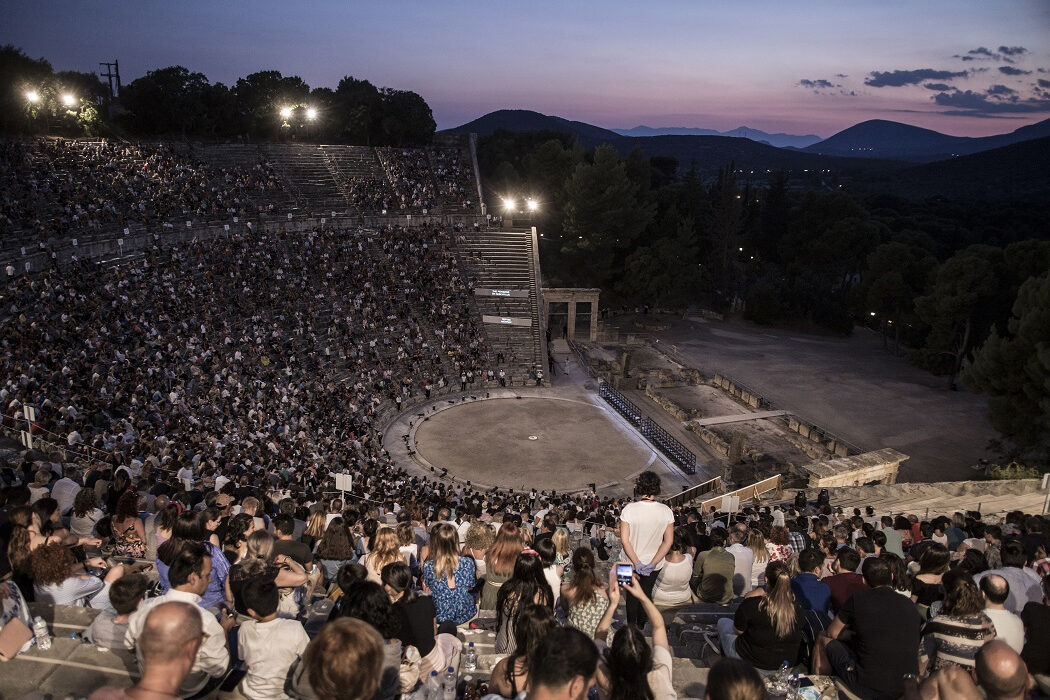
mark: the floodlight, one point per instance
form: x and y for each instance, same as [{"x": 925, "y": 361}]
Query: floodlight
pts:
[
  {"x": 68, "y": 100},
  {"x": 532, "y": 205},
  {"x": 509, "y": 204},
  {"x": 311, "y": 113},
  {"x": 286, "y": 112},
  {"x": 33, "y": 96}
]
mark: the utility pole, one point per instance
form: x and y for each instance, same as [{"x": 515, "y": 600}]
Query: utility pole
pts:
[{"x": 112, "y": 73}]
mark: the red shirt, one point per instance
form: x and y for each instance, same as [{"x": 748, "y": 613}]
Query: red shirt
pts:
[{"x": 843, "y": 586}]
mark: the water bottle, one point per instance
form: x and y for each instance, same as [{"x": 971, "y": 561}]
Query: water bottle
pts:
[
  {"x": 448, "y": 685},
  {"x": 470, "y": 659},
  {"x": 40, "y": 631},
  {"x": 433, "y": 687}
]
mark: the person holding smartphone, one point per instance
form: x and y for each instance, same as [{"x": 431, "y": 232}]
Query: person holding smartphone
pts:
[{"x": 646, "y": 532}]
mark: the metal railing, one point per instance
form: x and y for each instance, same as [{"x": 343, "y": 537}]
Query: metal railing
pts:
[{"x": 678, "y": 453}]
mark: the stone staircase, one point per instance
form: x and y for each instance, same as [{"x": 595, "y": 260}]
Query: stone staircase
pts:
[
  {"x": 505, "y": 260},
  {"x": 308, "y": 175}
]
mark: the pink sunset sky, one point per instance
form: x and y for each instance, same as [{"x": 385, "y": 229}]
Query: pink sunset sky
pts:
[{"x": 963, "y": 67}]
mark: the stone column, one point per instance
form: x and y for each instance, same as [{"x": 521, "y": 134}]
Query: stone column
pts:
[{"x": 572, "y": 318}]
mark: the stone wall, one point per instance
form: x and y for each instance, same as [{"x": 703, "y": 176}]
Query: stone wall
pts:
[{"x": 743, "y": 394}]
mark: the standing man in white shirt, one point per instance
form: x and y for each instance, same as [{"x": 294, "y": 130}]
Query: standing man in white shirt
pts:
[{"x": 646, "y": 531}]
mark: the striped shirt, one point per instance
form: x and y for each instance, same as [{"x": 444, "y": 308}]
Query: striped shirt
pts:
[{"x": 955, "y": 640}]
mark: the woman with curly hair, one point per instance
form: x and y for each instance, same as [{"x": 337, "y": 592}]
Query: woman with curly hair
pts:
[
  {"x": 59, "y": 580},
  {"x": 85, "y": 513},
  {"x": 478, "y": 540},
  {"x": 499, "y": 562},
  {"x": 129, "y": 532}
]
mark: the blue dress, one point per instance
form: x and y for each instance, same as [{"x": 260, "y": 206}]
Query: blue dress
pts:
[{"x": 454, "y": 605}]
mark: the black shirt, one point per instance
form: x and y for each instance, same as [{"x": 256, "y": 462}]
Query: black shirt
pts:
[
  {"x": 885, "y": 628},
  {"x": 297, "y": 551},
  {"x": 759, "y": 643},
  {"x": 1036, "y": 652},
  {"x": 417, "y": 623}
]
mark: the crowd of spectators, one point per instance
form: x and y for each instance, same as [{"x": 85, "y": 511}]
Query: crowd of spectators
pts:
[
  {"x": 456, "y": 180},
  {"x": 370, "y": 194},
  {"x": 62, "y": 188},
  {"x": 409, "y": 172},
  {"x": 261, "y": 549}
]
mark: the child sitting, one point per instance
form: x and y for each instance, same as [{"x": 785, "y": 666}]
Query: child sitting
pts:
[
  {"x": 108, "y": 628},
  {"x": 268, "y": 644}
]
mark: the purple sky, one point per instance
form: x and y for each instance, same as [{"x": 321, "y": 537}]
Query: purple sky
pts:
[{"x": 966, "y": 67}]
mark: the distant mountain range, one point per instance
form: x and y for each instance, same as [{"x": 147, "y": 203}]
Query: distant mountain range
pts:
[
  {"x": 875, "y": 155},
  {"x": 744, "y": 132},
  {"x": 706, "y": 153},
  {"x": 879, "y": 138}
]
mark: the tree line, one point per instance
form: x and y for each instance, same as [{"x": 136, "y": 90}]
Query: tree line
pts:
[
  {"x": 180, "y": 103},
  {"x": 960, "y": 288}
]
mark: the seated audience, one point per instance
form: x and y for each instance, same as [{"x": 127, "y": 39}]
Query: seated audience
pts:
[{"x": 767, "y": 627}]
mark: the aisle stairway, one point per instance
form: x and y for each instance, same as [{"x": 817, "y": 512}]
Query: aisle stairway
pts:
[
  {"x": 310, "y": 178},
  {"x": 505, "y": 260}
]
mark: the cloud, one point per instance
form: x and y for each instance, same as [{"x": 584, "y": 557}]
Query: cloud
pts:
[
  {"x": 1000, "y": 91},
  {"x": 817, "y": 84},
  {"x": 940, "y": 87},
  {"x": 1012, "y": 50},
  {"x": 982, "y": 53},
  {"x": 1009, "y": 70},
  {"x": 1043, "y": 83},
  {"x": 841, "y": 75},
  {"x": 970, "y": 103},
  {"x": 899, "y": 78}
]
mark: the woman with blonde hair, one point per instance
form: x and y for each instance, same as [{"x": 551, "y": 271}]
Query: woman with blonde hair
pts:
[
  {"x": 756, "y": 542},
  {"x": 499, "y": 562},
  {"x": 448, "y": 577},
  {"x": 767, "y": 627},
  {"x": 562, "y": 553},
  {"x": 314, "y": 529},
  {"x": 385, "y": 550}
]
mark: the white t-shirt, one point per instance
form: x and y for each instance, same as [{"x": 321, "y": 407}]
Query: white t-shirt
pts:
[
  {"x": 1008, "y": 627},
  {"x": 647, "y": 520},
  {"x": 269, "y": 649}
]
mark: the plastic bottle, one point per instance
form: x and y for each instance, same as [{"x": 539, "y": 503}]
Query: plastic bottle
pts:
[
  {"x": 433, "y": 687},
  {"x": 43, "y": 636},
  {"x": 448, "y": 685},
  {"x": 470, "y": 659}
]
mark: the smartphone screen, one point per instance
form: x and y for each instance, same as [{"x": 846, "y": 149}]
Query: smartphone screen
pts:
[{"x": 624, "y": 572}]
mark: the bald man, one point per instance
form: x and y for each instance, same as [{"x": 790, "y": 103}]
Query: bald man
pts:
[
  {"x": 1001, "y": 672},
  {"x": 167, "y": 648}
]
